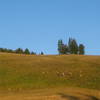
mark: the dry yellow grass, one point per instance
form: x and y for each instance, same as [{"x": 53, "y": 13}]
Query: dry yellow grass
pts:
[
  {"x": 47, "y": 77},
  {"x": 53, "y": 94}
]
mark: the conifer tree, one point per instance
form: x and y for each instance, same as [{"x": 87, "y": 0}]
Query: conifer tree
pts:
[
  {"x": 42, "y": 53},
  {"x": 27, "y": 51},
  {"x": 73, "y": 46},
  {"x": 60, "y": 46},
  {"x": 33, "y": 53},
  {"x": 19, "y": 50},
  {"x": 69, "y": 45},
  {"x": 81, "y": 49}
]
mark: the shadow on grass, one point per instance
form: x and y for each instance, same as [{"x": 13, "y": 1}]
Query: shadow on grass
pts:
[
  {"x": 91, "y": 97},
  {"x": 70, "y": 97}
]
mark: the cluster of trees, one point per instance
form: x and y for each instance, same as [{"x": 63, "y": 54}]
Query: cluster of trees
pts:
[
  {"x": 18, "y": 51},
  {"x": 71, "y": 48}
]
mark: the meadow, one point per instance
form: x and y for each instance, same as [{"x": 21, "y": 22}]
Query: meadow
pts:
[{"x": 45, "y": 75}]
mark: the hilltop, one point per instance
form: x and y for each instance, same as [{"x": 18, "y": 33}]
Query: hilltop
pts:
[
  {"x": 18, "y": 72},
  {"x": 49, "y": 77}
]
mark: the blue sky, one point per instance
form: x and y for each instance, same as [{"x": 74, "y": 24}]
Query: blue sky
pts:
[{"x": 38, "y": 24}]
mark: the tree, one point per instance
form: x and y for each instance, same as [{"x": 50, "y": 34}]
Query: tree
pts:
[
  {"x": 26, "y": 51},
  {"x": 67, "y": 49},
  {"x": 60, "y": 45},
  {"x": 1, "y": 49},
  {"x": 42, "y": 53},
  {"x": 73, "y": 46},
  {"x": 10, "y": 51},
  {"x": 69, "y": 45},
  {"x": 19, "y": 50},
  {"x": 81, "y": 49},
  {"x": 64, "y": 49},
  {"x": 33, "y": 53}
]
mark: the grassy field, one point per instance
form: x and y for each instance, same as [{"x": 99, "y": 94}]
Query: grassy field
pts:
[
  {"x": 20, "y": 73},
  {"x": 53, "y": 94}
]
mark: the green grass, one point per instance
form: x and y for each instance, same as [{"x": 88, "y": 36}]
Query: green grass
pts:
[{"x": 22, "y": 72}]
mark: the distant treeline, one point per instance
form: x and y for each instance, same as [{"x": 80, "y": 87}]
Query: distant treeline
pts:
[
  {"x": 71, "y": 47},
  {"x": 19, "y": 51}
]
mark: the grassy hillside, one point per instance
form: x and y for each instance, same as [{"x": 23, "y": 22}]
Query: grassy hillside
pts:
[{"x": 22, "y": 72}]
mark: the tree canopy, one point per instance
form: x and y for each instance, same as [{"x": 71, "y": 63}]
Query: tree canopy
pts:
[{"x": 71, "y": 48}]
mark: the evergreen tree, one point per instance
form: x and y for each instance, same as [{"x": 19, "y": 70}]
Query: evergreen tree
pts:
[
  {"x": 81, "y": 49},
  {"x": 42, "y": 53},
  {"x": 60, "y": 46},
  {"x": 64, "y": 49},
  {"x": 26, "y": 51},
  {"x": 69, "y": 45},
  {"x": 10, "y": 51},
  {"x": 1, "y": 49},
  {"x": 33, "y": 53},
  {"x": 19, "y": 50},
  {"x": 73, "y": 46},
  {"x": 67, "y": 49}
]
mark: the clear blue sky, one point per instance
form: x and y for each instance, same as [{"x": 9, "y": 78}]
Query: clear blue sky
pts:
[{"x": 38, "y": 24}]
